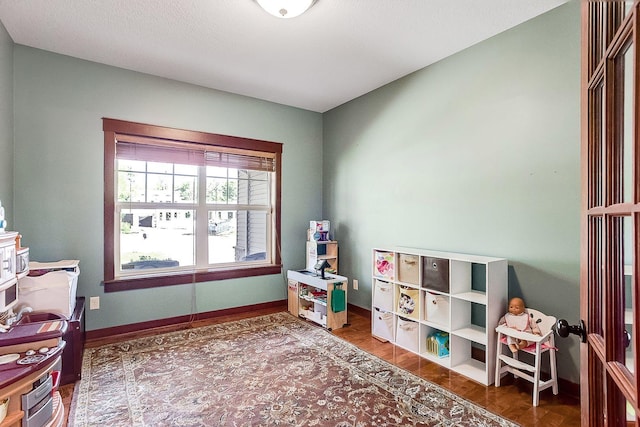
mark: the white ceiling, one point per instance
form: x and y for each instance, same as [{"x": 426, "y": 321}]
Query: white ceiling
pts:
[{"x": 337, "y": 51}]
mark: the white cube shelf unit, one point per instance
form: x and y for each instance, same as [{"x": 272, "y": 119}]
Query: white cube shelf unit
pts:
[{"x": 419, "y": 294}]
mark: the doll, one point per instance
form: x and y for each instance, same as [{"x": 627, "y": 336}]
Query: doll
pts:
[{"x": 518, "y": 318}]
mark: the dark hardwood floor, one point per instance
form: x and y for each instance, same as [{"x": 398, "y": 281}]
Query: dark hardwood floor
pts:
[{"x": 512, "y": 400}]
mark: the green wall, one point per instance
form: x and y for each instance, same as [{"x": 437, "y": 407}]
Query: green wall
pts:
[
  {"x": 479, "y": 153},
  {"x": 59, "y": 106},
  {"x": 6, "y": 122}
]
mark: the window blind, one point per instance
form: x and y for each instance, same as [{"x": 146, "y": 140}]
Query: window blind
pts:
[
  {"x": 240, "y": 161},
  {"x": 195, "y": 154},
  {"x": 150, "y": 153}
]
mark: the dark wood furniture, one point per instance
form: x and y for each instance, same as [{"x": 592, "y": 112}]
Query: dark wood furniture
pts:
[{"x": 74, "y": 337}]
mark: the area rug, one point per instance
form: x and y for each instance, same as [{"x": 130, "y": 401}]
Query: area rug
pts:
[{"x": 274, "y": 370}]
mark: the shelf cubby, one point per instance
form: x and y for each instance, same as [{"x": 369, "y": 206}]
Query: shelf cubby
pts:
[
  {"x": 436, "y": 309},
  {"x": 426, "y": 332}
]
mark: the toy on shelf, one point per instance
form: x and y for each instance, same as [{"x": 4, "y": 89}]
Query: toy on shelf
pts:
[
  {"x": 438, "y": 344},
  {"x": 319, "y": 230}
]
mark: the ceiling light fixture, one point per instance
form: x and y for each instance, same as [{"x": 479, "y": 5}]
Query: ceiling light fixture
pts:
[{"x": 286, "y": 8}]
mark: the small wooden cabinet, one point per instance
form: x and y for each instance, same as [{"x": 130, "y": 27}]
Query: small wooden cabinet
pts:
[
  {"x": 322, "y": 301},
  {"x": 74, "y": 339},
  {"x": 443, "y": 306}
]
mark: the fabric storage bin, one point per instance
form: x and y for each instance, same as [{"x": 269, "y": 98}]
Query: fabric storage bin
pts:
[
  {"x": 383, "y": 295},
  {"x": 435, "y": 274},
  {"x": 407, "y": 334},
  {"x": 408, "y": 302},
  {"x": 409, "y": 268},
  {"x": 383, "y": 324},
  {"x": 315, "y": 316},
  {"x": 436, "y": 308},
  {"x": 384, "y": 264}
]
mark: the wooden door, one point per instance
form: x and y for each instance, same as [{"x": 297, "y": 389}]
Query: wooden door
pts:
[{"x": 610, "y": 213}]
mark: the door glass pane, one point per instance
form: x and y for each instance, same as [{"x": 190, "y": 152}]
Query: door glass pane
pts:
[
  {"x": 627, "y": 7},
  {"x": 595, "y": 277},
  {"x": 597, "y": 381},
  {"x": 596, "y": 27},
  {"x": 628, "y": 248},
  {"x": 631, "y": 413},
  {"x": 596, "y": 148},
  {"x": 627, "y": 128},
  {"x": 613, "y": 18}
]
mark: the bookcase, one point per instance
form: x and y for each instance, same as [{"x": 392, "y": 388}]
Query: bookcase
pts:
[
  {"x": 319, "y": 250},
  {"x": 443, "y": 306}
]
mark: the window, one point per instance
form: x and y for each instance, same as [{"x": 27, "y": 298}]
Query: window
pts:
[{"x": 184, "y": 206}]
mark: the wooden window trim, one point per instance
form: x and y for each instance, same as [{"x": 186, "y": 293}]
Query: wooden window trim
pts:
[{"x": 112, "y": 129}]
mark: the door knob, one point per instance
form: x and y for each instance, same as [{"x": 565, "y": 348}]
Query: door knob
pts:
[
  {"x": 564, "y": 329},
  {"x": 627, "y": 338}
]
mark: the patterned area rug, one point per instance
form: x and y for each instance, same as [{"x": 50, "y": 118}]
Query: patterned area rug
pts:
[{"x": 274, "y": 370}]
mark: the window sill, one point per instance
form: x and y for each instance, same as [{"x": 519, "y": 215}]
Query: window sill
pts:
[{"x": 153, "y": 281}]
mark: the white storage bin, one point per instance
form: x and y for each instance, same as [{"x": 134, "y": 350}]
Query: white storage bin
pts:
[
  {"x": 383, "y": 324},
  {"x": 54, "y": 291},
  {"x": 315, "y": 316},
  {"x": 407, "y": 334},
  {"x": 383, "y": 295},
  {"x": 436, "y": 308}
]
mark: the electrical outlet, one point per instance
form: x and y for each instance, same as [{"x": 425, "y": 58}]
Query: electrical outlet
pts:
[
  {"x": 355, "y": 284},
  {"x": 94, "y": 303}
]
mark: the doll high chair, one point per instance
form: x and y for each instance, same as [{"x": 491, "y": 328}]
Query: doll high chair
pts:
[{"x": 508, "y": 362}]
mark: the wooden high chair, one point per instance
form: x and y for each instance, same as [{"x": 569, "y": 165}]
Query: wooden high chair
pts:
[{"x": 506, "y": 361}]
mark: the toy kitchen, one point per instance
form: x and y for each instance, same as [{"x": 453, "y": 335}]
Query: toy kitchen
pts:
[
  {"x": 31, "y": 346},
  {"x": 317, "y": 293}
]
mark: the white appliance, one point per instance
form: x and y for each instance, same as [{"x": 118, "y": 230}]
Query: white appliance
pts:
[{"x": 50, "y": 286}]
